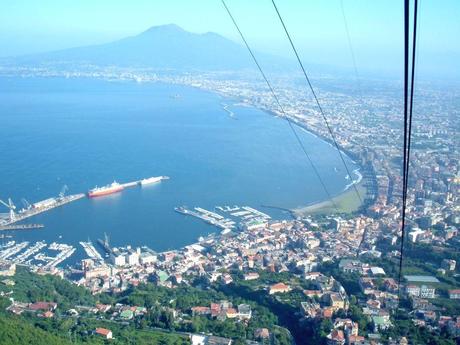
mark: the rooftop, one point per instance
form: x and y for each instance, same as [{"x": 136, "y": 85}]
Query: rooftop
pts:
[{"x": 421, "y": 279}]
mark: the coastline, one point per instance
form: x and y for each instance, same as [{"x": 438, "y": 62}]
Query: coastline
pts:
[{"x": 347, "y": 200}]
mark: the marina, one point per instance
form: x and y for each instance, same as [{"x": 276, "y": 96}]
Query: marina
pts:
[
  {"x": 13, "y": 249},
  {"x": 65, "y": 252},
  {"x": 244, "y": 216},
  {"x": 29, "y": 252},
  {"x": 208, "y": 216}
]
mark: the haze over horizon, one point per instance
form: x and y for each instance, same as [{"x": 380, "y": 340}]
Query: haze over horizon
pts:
[{"x": 375, "y": 31}]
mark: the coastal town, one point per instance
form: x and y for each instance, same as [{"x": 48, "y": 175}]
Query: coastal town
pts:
[{"x": 334, "y": 267}]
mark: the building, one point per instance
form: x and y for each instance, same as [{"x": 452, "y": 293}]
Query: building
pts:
[
  {"x": 7, "y": 269},
  {"x": 427, "y": 292},
  {"x": 118, "y": 259},
  {"x": 201, "y": 310},
  {"x": 227, "y": 279},
  {"x": 95, "y": 272},
  {"x": 104, "y": 332},
  {"x": 448, "y": 265},
  {"x": 454, "y": 294},
  {"x": 310, "y": 310},
  {"x": 200, "y": 339},
  {"x": 147, "y": 258},
  {"x": 336, "y": 301},
  {"x": 251, "y": 276},
  {"x": 423, "y": 291},
  {"x": 421, "y": 286},
  {"x": 132, "y": 258},
  {"x": 279, "y": 288},
  {"x": 244, "y": 311},
  {"x": 261, "y": 333},
  {"x": 381, "y": 321},
  {"x": 336, "y": 337}
]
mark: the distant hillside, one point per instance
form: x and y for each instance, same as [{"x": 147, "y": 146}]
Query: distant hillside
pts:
[{"x": 160, "y": 47}]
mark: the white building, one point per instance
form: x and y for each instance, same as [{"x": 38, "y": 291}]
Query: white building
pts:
[
  {"x": 132, "y": 258},
  {"x": 118, "y": 259},
  {"x": 147, "y": 258}
]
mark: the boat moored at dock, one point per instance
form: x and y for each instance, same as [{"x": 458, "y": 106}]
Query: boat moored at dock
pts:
[
  {"x": 114, "y": 187},
  {"x": 151, "y": 180}
]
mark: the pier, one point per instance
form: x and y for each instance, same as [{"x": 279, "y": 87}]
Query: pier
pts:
[
  {"x": 8, "y": 221},
  {"x": 91, "y": 251},
  {"x": 208, "y": 216},
  {"x": 33, "y": 210},
  {"x": 21, "y": 227}
]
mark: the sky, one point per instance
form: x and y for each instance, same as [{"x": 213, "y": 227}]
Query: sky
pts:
[{"x": 317, "y": 27}]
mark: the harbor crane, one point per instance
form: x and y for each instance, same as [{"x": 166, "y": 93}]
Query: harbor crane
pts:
[
  {"x": 26, "y": 204},
  {"x": 63, "y": 191},
  {"x": 11, "y": 207}
]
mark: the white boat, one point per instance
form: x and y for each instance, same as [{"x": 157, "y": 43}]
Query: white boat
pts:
[{"x": 150, "y": 180}]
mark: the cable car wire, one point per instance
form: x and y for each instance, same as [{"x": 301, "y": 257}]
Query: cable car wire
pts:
[
  {"x": 316, "y": 99},
  {"x": 281, "y": 108},
  {"x": 408, "y": 111}
]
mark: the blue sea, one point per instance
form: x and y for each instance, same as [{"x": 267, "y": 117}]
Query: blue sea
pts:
[{"x": 87, "y": 132}]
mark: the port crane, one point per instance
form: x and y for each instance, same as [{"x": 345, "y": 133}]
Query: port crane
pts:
[
  {"x": 11, "y": 207},
  {"x": 63, "y": 191},
  {"x": 26, "y": 204}
]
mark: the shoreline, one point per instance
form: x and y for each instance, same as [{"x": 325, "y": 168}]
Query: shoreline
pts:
[{"x": 346, "y": 200}]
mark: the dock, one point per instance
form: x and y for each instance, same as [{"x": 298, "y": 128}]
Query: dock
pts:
[
  {"x": 29, "y": 252},
  {"x": 13, "y": 250},
  {"x": 208, "y": 216},
  {"x": 37, "y": 208},
  {"x": 21, "y": 227},
  {"x": 91, "y": 251},
  {"x": 8, "y": 220},
  {"x": 130, "y": 184}
]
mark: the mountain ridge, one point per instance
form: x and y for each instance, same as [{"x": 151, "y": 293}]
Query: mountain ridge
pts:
[{"x": 160, "y": 47}]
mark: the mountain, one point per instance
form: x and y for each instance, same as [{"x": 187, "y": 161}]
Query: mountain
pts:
[{"x": 160, "y": 47}]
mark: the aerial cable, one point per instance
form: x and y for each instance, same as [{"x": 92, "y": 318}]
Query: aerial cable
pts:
[
  {"x": 352, "y": 52},
  {"x": 412, "y": 87},
  {"x": 281, "y": 108},
  {"x": 358, "y": 82},
  {"x": 316, "y": 100},
  {"x": 408, "y": 107}
]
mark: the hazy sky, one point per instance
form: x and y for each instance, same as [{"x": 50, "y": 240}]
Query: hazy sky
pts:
[{"x": 317, "y": 26}]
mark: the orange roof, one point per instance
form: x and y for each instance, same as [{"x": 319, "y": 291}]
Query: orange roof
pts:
[
  {"x": 337, "y": 335},
  {"x": 312, "y": 292},
  {"x": 48, "y": 314},
  {"x": 103, "y": 331},
  {"x": 327, "y": 312},
  {"x": 355, "y": 338},
  {"x": 279, "y": 286}
]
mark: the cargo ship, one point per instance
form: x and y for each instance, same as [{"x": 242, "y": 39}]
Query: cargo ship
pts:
[
  {"x": 150, "y": 180},
  {"x": 109, "y": 189}
]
